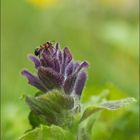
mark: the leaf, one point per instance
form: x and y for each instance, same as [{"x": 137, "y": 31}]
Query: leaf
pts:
[
  {"x": 113, "y": 105},
  {"x": 83, "y": 134},
  {"x": 89, "y": 111},
  {"x": 59, "y": 99},
  {"x": 36, "y": 120},
  {"x": 50, "y": 108},
  {"x": 46, "y": 133},
  {"x": 39, "y": 93},
  {"x": 109, "y": 105}
]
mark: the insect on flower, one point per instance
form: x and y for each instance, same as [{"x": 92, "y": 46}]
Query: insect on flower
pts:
[
  {"x": 56, "y": 69},
  {"x": 42, "y": 47}
]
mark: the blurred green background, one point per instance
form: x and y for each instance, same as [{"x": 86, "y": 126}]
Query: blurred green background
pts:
[{"x": 103, "y": 32}]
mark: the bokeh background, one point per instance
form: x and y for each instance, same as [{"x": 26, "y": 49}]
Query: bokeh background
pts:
[{"x": 103, "y": 32}]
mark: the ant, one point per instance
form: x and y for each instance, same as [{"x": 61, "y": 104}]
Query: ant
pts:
[{"x": 44, "y": 46}]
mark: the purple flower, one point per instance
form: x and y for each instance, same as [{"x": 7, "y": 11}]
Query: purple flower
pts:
[{"x": 56, "y": 69}]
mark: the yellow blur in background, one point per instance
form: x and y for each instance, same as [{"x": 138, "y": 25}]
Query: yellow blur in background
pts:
[{"x": 42, "y": 3}]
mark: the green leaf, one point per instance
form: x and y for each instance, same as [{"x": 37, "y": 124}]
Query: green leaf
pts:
[
  {"x": 36, "y": 120},
  {"x": 39, "y": 93},
  {"x": 46, "y": 133},
  {"x": 109, "y": 105},
  {"x": 89, "y": 111},
  {"x": 113, "y": 105},
  {"x": 83, "y": 135},
  {"x": 51, "y": 108},
  {"x": 58, "y": 99}
]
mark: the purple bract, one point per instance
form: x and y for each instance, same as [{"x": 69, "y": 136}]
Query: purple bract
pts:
[{"x": 56, "y": 69}]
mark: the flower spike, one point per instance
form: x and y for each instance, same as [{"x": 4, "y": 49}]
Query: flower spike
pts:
[{"x": 56, "y": 69}]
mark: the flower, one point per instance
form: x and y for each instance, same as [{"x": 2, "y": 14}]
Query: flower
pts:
[
  {"x": 61, "y": 79},
  {"x": 56, "y": 69}
]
